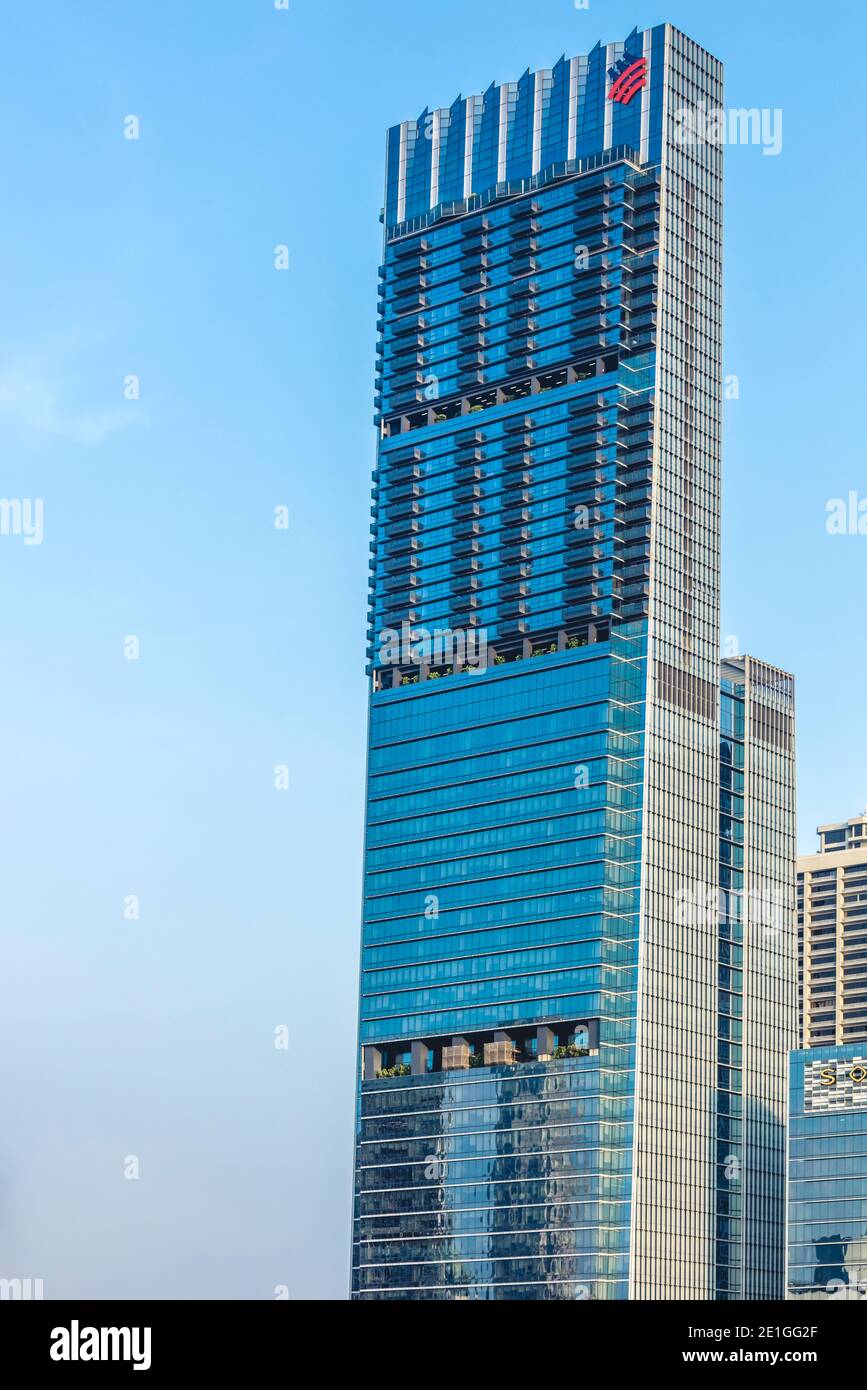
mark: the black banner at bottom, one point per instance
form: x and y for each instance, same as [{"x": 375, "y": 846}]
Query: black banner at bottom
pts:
[{"x": 156, "y": 1338}]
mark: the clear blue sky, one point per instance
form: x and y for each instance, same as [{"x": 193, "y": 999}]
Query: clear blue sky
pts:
[{"x": 154, "y": 257}]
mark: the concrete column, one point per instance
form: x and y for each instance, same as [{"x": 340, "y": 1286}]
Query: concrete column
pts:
[
  {"x": 420, "y": 1054},
  {"x": 371, "y": 1063},
  {"x": 545, "y": 1041}
]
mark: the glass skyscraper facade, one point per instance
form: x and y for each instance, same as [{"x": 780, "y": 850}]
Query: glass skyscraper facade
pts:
[
  {"x": 827, "y": 1191},
  {"x": 757, "y": 970},
  {"x": 556, "y": 1098}
]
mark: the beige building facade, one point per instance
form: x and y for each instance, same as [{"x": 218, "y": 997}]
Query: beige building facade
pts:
[{"x": 832, "y": 936}]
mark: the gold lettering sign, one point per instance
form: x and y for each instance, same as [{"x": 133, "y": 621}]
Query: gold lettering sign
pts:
[
  {"x": 836, "y": 1085},
  {"x": 828, "y": 1076}
]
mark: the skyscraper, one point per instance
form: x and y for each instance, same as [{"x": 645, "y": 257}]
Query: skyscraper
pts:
[
  {"x": 553, "y": 1092},
  {"x": 832, "y": 931},
  {"x": 827, "y": 1256}
]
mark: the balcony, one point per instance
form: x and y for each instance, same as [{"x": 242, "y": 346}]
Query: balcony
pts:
[{"x": 520, "y": 1046}]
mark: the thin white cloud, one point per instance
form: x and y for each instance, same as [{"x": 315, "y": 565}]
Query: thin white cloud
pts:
[{"x": 32, "y": 402}]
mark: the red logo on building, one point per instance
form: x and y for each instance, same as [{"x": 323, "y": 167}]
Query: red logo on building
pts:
[{"x": 630, "y": 76}]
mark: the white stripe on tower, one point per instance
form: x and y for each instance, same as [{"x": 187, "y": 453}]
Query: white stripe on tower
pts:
[
  {"x": 538, "y": 88},
  {"x": 435, "y": 135},
  {"x": 610, "y": 60},
  {"x": 504, "y": 128},
  {"x": 645, "y": 99},
  {"x": 469, "y": 133},
  {"x": 572, "y": 131},
  {"x": 401, "y": 173}
]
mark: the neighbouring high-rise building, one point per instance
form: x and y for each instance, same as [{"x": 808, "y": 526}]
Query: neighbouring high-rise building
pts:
[
  {"x": 578, "y": 955},
  {"x": 832, "y": 936},
  {"x": 827, "y": 1255}
]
